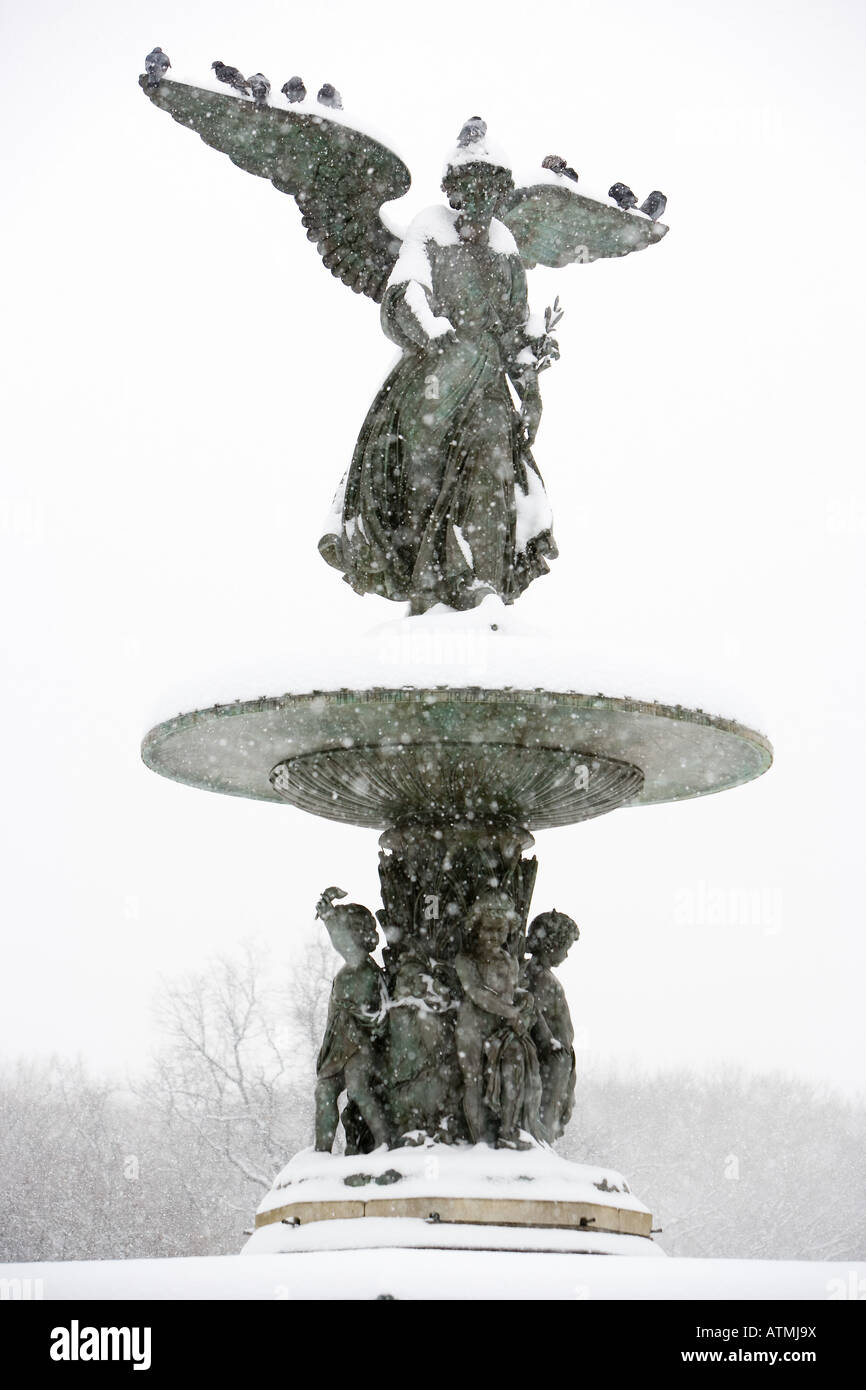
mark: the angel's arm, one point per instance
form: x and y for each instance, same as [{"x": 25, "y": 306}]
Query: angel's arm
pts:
[
  {"x": 515, "y": 335},
  {"x": 408, "y": 317},
  {"x": 519, "y": 353},
  {"x": 409, "y": 312}
]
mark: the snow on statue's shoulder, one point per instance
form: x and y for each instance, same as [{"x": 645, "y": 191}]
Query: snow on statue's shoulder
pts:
[
  {"x": 433, "y": 224},
  {"x": 500, "y": 239},
  {"x": 413, "y": 269}
]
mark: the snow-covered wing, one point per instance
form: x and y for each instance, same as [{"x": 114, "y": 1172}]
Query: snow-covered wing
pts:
[
  {"x": 338, "y": 176},
  {"x": 555, "y": 225}
]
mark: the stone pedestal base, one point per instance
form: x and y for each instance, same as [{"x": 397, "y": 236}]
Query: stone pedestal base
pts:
[{"x": 453, "y": 1197}]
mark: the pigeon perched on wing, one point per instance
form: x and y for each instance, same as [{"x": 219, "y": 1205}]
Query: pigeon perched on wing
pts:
[
  {"x": 156, "y": 65},
  {"x": 294, "y": 89},
  {"x": 329, "y": 96},
  {"x": 260, "y": 88},
  {"x": 622, "y": 196},
  {"x": 654, "y": 204},
  {"x": 475, "y": 129},
  {"x": 231, "y": 77},
  {"x": 559, "y": 166}
]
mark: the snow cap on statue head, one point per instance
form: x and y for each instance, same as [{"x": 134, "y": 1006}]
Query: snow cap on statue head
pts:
[{"x": 476, "y": 153}]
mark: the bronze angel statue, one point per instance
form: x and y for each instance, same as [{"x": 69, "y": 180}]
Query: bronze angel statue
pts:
[{"x": 443, "y": 501}]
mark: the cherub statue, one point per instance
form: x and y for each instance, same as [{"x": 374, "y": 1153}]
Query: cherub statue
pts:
[
  {"x": 423, "y": 1077},
  {"x": 357, "y": 1016},
  {"x": 548, "y": 941},
  {"x": 501, "y": 1079},
  {"x": 443, "y": 501}
]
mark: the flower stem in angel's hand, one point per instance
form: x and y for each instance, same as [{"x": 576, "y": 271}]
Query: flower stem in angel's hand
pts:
[
  {"x": 552, "y": 315},
  {"x": 547, "y": 348}
]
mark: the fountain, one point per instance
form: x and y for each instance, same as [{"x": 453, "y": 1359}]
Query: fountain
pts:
[{"x": 454, "y": 1053}]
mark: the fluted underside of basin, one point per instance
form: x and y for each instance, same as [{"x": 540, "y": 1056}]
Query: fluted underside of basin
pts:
[{"x": 379, "y": 786}]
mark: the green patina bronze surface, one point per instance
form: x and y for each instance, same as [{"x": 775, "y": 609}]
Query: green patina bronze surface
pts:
[
  {"x": 443, "y": 501},
  {"x": 460, "y": 1037},
  {"x": 549, "y": 940},
  {"x": 473, "y": 1041},
  {"x": 463, "y": 1033},
  {"x": 372, "y": 757},
  {"x": 428, "y": 511},
  {"x": 357, "y": 1021},
  {"x": 338, "y": 176}
]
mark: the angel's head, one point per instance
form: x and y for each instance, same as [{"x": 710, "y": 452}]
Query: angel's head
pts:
[{"x": 476, "y": 181}]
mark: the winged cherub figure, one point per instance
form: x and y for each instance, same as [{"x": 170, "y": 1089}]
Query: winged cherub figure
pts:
[{"x": 443, "y": 501}]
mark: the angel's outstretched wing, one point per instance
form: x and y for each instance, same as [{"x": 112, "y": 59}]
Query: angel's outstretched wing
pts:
[
  {"x": 338, "y": 177},
  {"x": 554, "y": 226}
]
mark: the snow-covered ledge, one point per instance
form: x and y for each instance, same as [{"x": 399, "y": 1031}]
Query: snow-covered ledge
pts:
[{"x": 450, "y": 1196}]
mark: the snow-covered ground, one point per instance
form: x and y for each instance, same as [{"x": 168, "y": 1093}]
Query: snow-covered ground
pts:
[
  {"x": 437, "y": 1274},
  {"x": 414, "y": 1233}
]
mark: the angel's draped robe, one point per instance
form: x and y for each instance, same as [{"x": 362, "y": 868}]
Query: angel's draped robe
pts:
[{"x": 443, "y": 502}]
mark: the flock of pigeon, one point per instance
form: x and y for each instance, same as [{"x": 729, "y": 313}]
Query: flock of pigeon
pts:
[
  {"x": 156, "y": 65},
  {"x": 653, "y": 204}
]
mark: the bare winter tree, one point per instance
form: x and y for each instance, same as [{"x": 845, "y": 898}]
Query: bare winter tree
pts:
[
  {"x": 82, "y": 1171},
  {"x": 306, "y": 998},
  {"x": 732, "y": 1165},
  {"x": 224, "y": 1071},
  {"x": 233, "y": 1079}
]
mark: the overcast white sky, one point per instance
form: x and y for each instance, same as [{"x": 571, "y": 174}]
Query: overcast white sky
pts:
[{"x": 184, "y": 384}]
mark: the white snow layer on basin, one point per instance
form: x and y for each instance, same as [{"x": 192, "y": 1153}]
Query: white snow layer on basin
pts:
[{"x": 488, "y": 646}]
